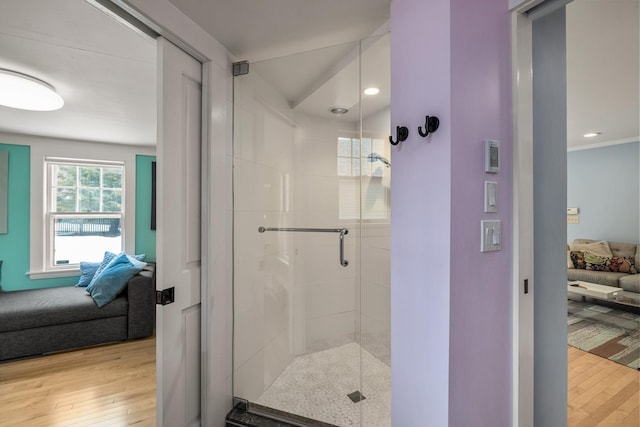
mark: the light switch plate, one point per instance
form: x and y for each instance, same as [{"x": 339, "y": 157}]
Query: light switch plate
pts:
[
  {"x": 573, "y": 219},
  {"x": 490, "y": 196},
  {"x": 491, "y": 237}
]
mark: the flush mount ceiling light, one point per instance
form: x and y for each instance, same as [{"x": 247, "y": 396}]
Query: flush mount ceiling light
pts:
[
  {"x": 371, "y": 91},
  {"x": 22, "y": 91},
  {"x": 592, "y": 134},
  {"x": 338, "y": 111}
]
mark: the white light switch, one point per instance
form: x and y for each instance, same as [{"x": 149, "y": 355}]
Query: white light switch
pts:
[
  {"x": 491, "y": 235},
  {"x": 490, "y": 196}
]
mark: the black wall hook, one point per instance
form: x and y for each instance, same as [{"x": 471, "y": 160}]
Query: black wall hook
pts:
[
  {"x": 431, "y": 124},
  {"x": 402, "y": 133}
]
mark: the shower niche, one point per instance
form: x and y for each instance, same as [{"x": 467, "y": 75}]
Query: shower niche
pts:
[{"x": 312, "y": 170}]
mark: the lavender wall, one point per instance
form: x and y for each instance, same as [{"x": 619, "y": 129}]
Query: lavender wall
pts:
[
  {"x": 421, "y": 223},
  {"x": 480, "y": 282},
  {"x": 451, "y": 304}
]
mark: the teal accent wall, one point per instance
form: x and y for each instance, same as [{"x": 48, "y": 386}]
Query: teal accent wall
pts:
[
  {"x": 145, "y": 237},
  {"x": 14, "y": 246}
]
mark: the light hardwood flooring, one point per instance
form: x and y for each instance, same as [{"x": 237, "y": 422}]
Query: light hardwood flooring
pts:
[
  {"x": 111, "y": 385},
  {"x": 114, "y": 385},
  {"x": 601, "y": 392}
]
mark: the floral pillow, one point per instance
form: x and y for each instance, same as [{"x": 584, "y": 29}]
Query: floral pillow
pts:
[
  {"x": 588, "y": 261},
  {"x": 622, "y": 265}
]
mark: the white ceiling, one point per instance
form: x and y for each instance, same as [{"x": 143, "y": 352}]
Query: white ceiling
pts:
[
  {"x": 106, "y": 72},
  {"x": 256, "y": 30},
  {"x": 307, "y": 50},
  {"x": 333, "y": 77},
  {"x": 602, "y": 71}
]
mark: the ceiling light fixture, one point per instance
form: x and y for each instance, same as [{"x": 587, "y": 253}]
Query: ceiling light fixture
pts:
[
  {"x": 592, "y": 134},
  {"x": 338, "y": 111},
  {"x": 371, "y": 91},
  {"x": 22, "y": 91}
]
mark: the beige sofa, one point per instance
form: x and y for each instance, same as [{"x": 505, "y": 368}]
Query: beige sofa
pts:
[{"x": 604, "y": 250}]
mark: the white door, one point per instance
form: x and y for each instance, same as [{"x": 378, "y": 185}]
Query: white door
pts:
[{"x": 178, "y": 236}]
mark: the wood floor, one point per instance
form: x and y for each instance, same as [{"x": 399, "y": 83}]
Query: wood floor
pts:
[
  {"x": 601, "y": 392},
  {"x": 114, "y": 385},
  {"x": 111, "y": 385}
]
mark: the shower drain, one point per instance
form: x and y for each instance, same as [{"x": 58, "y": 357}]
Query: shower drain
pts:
[{"x": 356, "y": 396}]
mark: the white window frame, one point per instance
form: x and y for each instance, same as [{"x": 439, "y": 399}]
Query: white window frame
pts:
[
  {"x": 51, "y": 216},
  {"x": 43, "y": 147},
  {"x": 354, "y": 182}
]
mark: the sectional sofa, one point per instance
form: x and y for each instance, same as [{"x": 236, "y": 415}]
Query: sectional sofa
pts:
[
  {"x": 40, "y": 321},
  {"x": 606, "y": 263}
]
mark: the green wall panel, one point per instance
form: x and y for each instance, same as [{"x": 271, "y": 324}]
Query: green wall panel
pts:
[
  {"x": 145, "y": 237},
  {"x": 14, "y": 246}
]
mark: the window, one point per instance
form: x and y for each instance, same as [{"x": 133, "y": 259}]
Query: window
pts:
[
  {"x": 85, "y": 210},
  {"x": 360, "y": 170}
]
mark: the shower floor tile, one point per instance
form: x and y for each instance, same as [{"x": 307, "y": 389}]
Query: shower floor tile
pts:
[{"x": 317, "y": 386}]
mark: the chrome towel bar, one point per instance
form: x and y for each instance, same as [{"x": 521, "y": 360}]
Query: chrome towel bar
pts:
[{"x": 342, "y": 231}]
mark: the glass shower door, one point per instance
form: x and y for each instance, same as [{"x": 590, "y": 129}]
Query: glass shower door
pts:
[{"x": 298, "y": 192}]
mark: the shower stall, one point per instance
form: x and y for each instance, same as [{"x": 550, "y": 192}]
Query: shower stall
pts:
[{"x": 312, "y": 175}]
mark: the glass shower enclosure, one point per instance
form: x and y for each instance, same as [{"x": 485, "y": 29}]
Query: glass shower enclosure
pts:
[{"x": 311, "y": 231}]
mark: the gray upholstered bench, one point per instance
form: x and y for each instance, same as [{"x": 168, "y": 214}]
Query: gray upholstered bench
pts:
[{"x": 41, "y": 321}]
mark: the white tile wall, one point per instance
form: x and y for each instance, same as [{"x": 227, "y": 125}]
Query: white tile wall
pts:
[
  {"x": 375, "y": 298},
  {"x": 330, "y": 289},
  {"x": 263, "y": 262},
  {"x": 330, "y": 331},
  {"x": 248, "y": 378},
  {"x": 276, "y": 357},
  {"x": 331, "y": 297},
  {"x": 277, "y": 272}
]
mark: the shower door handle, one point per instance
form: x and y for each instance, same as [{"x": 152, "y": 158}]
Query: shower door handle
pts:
[
  {"x": 343, "y": 262},
  {"x": 343, "y": 232}
]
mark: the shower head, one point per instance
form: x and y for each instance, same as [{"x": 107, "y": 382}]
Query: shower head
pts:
[{"x": 374, "y": 157}]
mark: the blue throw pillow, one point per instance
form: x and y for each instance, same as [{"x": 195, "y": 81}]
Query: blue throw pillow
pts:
[
  {"x": 108, "y": 257},
  {"x": 113, "y": 279},
  {"x": 88, "y": 270},
  {"x": 138, "y": 257}
]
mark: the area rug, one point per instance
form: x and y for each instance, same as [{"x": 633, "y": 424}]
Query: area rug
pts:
[{"x": 605, "y": 331}]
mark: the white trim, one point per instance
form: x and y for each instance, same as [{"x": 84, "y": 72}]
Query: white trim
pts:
[
  {"x": 92, "y": 162},
  {"x": 522, "y": 305},
  {"x": 604, "y": 144},
  {"x": 48, "y": 274},
  {"x": 522, "y": 6}
]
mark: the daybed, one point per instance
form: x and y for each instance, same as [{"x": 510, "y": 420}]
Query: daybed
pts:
[
  {"x": 606, "y": 263},
  {"x": 39, "y": 321}
]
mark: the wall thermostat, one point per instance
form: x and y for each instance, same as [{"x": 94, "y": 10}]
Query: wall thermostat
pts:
[{"x": 491, "y": 156}]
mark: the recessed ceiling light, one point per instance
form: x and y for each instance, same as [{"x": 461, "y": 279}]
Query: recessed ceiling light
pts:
[
  {"x": 338, "y": 111},
  {"x": 371, "y": 91},
  {"x": 592, "y": 134},
  {"x": 22, "y": 91}
]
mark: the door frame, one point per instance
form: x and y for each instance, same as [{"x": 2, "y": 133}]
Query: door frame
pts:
[
  {"x": 216, "y": 293},
  {"x": 522, "y": 403},
  {"x": 523, "y": 312}
]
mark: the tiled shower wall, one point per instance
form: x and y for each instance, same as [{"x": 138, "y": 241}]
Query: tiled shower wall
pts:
[
  {"x": 329, "y": 288},
  {"x": 291, "y": 294},
  {"x": 376, "y": 291},
  {"x": 263, "y": 262},
  {"x": 375, "y": 298}
]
